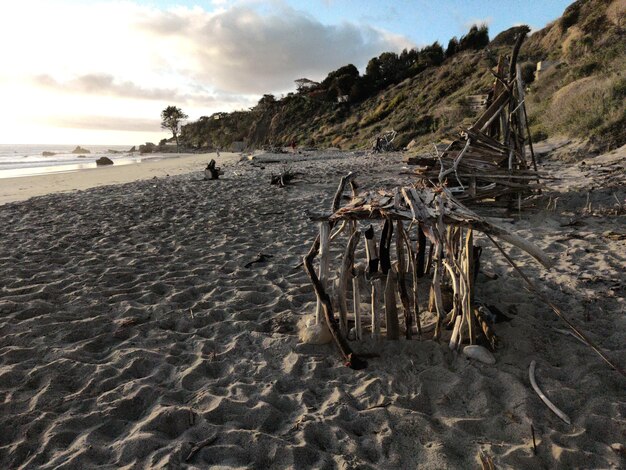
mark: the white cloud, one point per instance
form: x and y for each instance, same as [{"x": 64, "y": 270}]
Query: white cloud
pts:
[{"x": 242, "y": 50}]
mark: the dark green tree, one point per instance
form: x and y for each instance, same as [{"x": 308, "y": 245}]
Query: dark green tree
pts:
[
  {"x": 171, "y": 118},
  {"x": 453, "y": 47},
  {"x": 476, "y": 38}
]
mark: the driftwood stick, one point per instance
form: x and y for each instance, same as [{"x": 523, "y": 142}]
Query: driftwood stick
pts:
[
  {"x": 557, "y": 310},
  {"x": 391, "y": 307},
  {"x": 356, "y": 300},
  {"x": 436, "y": 285},
  {"x": 468, "y": 272},
  {"x": 404, "y": 295},
  {"x": 346, "y": 273},
  {"x": 549, "y": 404},
  {"x": 350, "y": 358},
  {"x": 376, "y": 317},
  {"x": 486, "y": 328},
  {"x": 413, "y": 270},
  {"x": 323, "y": 268},
  {"x": 518, "y": 44},
  {"x": 421, "y": 251},
  {"x": 370, "y": 251},
  {"x": 200, "y": 445},
  {"x": 342, "y": 184},
  {"x": 385, "y": 243},
  {"x": 338, "y": 232}
]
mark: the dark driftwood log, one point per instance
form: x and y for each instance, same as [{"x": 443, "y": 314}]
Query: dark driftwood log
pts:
[
  {"x": 211, "y": 172},
  {"x": 404, "y": 295},
  {"x": 385, "y": 244},
  {"x": 370, "y": 250},
  {"x": 518, "y": 44},
  {"x": 421, "y": 251},
  {"x": 350, "y": 358}
]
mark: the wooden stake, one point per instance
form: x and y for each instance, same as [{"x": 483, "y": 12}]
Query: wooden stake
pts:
[
  {"x": 391, "y": 307},
  {"x": 346, "y": 273},
  {"x": 357, "y": 306},
  {"x": 376, "y": 317},
  {"x": 323, "y": 268},
  {"x": 404, "y": 295},
  {"x": 413, "y": 270}
]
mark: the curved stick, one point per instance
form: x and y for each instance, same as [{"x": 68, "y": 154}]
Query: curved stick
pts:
[
  {"x": 549, "y": 404},
  {"x": 350, "y": 358},
  {"x": 338, "y": 232},
  {"x": 556, "y": 310}
]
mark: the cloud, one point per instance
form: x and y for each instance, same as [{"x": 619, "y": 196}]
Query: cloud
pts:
[
  {"x": 242, "y": 50},
  {"x": 105, "y": 84},
  {"x": 109, "y": 123}
]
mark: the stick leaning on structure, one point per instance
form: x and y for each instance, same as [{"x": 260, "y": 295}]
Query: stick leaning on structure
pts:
[{"x": 439, "y": 220}]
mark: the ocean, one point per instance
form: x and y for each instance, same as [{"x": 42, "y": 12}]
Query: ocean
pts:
[{"x": 28, "y": 160}]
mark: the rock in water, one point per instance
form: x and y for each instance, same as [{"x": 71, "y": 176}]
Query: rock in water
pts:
[
  {"x": 48, "y": 154},
  {"x": 79, "y": 149},
  {"x": 104, "y": 161},
  {"x": 479, "y": 353}
]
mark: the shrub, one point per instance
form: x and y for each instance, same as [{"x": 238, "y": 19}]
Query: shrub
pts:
[
  {"x": 584, "y": 106},
  {"x": 528, "y": 72},
  {"x": 570, "y": 17}
]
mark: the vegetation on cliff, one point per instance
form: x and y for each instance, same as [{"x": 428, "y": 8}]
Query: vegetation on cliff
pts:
[{"x": 423, "y": 94}]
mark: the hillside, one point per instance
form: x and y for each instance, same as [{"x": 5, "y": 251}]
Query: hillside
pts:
[{"x": 580, "y": 91}]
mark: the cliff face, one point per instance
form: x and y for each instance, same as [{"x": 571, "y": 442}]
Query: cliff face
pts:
[{"x": 580, "y": 92}]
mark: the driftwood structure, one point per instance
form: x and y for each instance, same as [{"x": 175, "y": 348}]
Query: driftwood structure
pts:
[
  {"x": 413, "y": 237},
  {"x": 489, "y": 162}
]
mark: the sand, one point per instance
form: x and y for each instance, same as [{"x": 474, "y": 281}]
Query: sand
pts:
[{"x": 132, "y": 334}]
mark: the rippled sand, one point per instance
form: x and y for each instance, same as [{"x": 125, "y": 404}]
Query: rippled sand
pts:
[{"x": 131, "y": 331}]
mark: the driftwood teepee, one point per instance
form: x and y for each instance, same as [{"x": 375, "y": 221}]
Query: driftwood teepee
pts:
[{"x": 489, "y": 162}]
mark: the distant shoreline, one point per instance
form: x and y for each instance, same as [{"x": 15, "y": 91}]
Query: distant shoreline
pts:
[{"x": 20, "y": 188}]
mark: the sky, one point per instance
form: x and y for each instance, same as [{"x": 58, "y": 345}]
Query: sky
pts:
[{"x": 100, "y": 71}]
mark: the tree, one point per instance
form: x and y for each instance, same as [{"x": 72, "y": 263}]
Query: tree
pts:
[
  {"x": 304, "y": 84},
  {"x": 453, "y": 47},
  {"x": 476, "y": 38},
  {"x": 171, "y": 118}
]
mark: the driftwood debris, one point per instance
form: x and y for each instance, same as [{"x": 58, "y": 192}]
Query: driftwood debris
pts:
[
  {"x": 384, "y": 142},
  {"x": 212, "y": 172},
  {"x": 283, "y": 178}
]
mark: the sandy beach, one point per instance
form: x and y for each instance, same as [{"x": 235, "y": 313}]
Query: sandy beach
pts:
[
  {"x": 24, "y": 187},
  {"x": 132, "y": 334}
]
